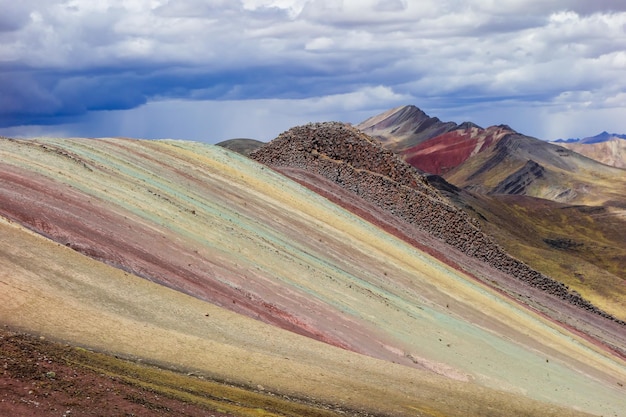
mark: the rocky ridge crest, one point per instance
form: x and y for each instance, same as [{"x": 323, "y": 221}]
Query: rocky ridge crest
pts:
[{"x": 359, "y": 164}]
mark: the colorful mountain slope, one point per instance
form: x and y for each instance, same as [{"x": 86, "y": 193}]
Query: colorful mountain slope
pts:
[
  {"x": 521, "y": 165},
  {"x": 501, "y": 176},
  {"x": 57, "y": 292},
  {"x": 495, "y": 160},
  {"x": 445, "y": 152},
  {"x": 228, "y": 236}
]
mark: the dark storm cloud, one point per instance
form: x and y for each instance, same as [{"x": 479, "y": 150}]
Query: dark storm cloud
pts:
[
  {"x": 14, "y": 15},
  {"x": 64, "y": 58}
]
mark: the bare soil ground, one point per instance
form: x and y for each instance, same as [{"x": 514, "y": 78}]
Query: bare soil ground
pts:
[{"x": 39, "y": 377}]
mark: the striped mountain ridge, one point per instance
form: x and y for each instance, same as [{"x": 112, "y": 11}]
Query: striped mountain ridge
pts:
[
  {"x": 265, "y": 297},
  {"x": 349, "y": 158},
  {"x": 445, "y": 152}
]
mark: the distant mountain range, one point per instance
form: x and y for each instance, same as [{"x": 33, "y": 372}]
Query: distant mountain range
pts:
[{"x": 601, "y": 137}]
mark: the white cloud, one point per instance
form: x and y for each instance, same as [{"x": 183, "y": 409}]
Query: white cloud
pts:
[
  {"x": 319, "y": 43},
  {"x": 446, "y": 54},
  {"x": 293, "y": 7}
]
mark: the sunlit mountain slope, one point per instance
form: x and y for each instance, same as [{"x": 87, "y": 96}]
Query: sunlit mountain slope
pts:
[
  {"x": 164, "y": 247},
  {"x": 523, "y": 165},
  {"x": 610, "y": 152},
  {"x": 559, "y": 211}
]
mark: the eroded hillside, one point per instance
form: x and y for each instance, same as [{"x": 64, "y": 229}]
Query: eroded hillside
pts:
[
  {"x": 195, "y": 258},
  {"x": 357, "y": 163}
]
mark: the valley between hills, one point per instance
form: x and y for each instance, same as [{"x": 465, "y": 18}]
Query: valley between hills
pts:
[{"x": 320, "y": 275}]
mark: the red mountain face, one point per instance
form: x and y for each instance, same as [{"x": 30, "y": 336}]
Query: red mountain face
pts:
[{"x": 449, "y": 150}]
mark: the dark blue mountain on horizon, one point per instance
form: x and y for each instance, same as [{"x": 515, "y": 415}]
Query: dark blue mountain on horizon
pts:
[{"x": 601, "y": 137}]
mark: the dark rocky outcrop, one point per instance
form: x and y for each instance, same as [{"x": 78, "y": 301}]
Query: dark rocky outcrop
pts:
[
  {"x": 241, "y": 145},
  {"x": 358, "y": 163},
  {"x": 563, "y": 243},
  {"x": 517, "y": 182}
]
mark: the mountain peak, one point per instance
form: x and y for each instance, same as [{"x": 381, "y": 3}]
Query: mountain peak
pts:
[
  {"x": 392, "y": 117},
  {"x": 507, "y": 127},
  {"x": 403, "y": 127},
  {"x": 601, "y": 137},
  {"x": 468, "y": 125}
]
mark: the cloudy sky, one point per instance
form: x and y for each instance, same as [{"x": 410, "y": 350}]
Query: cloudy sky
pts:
[{"x": 211, "y": 70}]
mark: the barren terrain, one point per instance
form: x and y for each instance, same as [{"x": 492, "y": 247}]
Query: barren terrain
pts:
[{"x": 196, "y": 259}]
